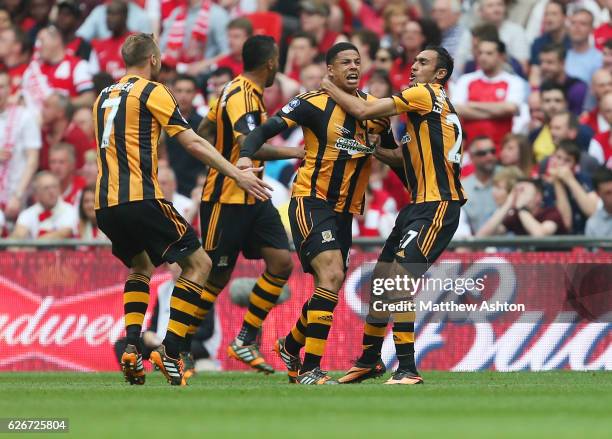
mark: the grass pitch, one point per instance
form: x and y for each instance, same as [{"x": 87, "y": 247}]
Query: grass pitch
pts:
[{"x": 234, "y": 405}]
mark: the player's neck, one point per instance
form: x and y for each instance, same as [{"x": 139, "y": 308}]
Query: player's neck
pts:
[
  {"x": 143, "y": 72},
  {"x": 256, "y": 78}
]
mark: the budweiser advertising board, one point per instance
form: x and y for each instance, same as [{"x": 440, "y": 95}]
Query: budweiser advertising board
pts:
[{"x": 62, "y": 310}]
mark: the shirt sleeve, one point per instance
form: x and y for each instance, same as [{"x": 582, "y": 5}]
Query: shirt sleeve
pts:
[
  {"x": 517, "y": 90},
  {"x": 212, "y": 111},
  {"x": 68, "y": 219},
  {"x": 242, "y": 120},
  {"x": 415, "y": 98},
  {"x": 165, "y": 109},
  {"x": 30, "y": 136},
  {"x": 82, "y": 77},
  {"x": 26, "y": 219}
]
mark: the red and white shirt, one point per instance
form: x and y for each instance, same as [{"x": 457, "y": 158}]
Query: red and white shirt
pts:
[
  {"x": 70, "y": 76},
  {"x": 595, "y": 120},
  {"x": 40, "y": 221},
  {"x": 477, "y": 87},
  {"x": 601, "y": 149},
  {"x": 16, "y": 75},
  {"x": 72, "y": 194},
  {"x": 106, "y": 56}
]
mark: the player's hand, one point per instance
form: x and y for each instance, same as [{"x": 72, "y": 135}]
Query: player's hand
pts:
[
  {"x": 326, "y": 84},
  {"x": 244, "y": 163},
  {"x": 247, "y": 180},
  {"x": 300, "y": 153}
]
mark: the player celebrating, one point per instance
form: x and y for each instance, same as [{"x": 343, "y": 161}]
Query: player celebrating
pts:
[
  {"x": 146, "y": 230},
  {"x": 232, "y": 220},
  {"x": 328, "y": 190},
  {"x": 431, "y": 154}
]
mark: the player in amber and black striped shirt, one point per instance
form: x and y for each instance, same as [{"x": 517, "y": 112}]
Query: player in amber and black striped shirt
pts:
[
  {"x": 431, "y": 155},
  {"x": 233, "y": 221},
  {"x": 145, "y": 229},
  {"x": 329, "y": 188}
]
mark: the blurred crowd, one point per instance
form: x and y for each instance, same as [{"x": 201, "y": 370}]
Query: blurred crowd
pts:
[{"x": 532, "y": 85}]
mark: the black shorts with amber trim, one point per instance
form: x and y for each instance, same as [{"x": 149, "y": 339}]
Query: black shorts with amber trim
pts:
[
  {"x": 228, "y": 229},
  {"x": 153, "y": 226},
  {"x": 421, "y": 233},
  {"x": 316, "y": 228}
]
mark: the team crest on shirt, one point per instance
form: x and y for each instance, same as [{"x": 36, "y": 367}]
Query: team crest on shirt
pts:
[
  {"x": 291, "y": 105},
  {"x": 327, "y": 236}
]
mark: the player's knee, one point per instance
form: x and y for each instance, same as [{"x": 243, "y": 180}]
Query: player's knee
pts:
[
  {"x": 144, "y": 267},
  {"x": 196, "y": 266},
  {"x": 332, "y": 277},
  {"x": 282, "y": 266}
]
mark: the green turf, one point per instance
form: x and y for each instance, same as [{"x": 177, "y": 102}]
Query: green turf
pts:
[{"x": 233, "y": 405}]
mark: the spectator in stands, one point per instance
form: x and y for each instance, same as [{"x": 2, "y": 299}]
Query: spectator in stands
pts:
[
  {"x": 20, "y": 144},
  {"x": 555, "y": 32},
  {"x": 552, "y": 68},
  {"x": 89, "y": 170},
  {"x": 488, "y": 32},
  {"x": 554, "y": 102},
  {"x": 95, "y": 26},
  {"x": 516, "y": 151},
  {"x": 417, "y": 35},
  {"x": 384, "y": 59},
  {"x": 600, "y": 223},
  {"x": 216, "y": 81},
  {"x": 62, "y": 164},
  {"x": 56, "y": 127},
  {"x": 184, "y": 165},
  {"x": 15, "y": 53},
  {"x": 395, "y": 16},
  {"x": 601, "y": 84},
  {"x": 57, "y": 71},
  {"x": 238, "y": 31},
  {"x": 604, "y": 31},
  {"x": 5, "y": 19},
  {"x": 536, "y": 115},
  {"x": 195, "y": 31},
  {"x": 601, "y": 146},
  {"x": 511, "y": 34},
  {"x": 311, "y": 77},
  {"x": 367, "y": 44},
  {"x": 302, "y": 52},
  {"x": 380, "y": 211},
  {"x": 101, "y": 80},
  {"x": 380, "y": 85},
  {"x": 607, "y": 55},
  {"x": 106, "y": 53},
  {"x": 167, "y": 183},
  {"x": 82, "y": 118},
  {"x": 479, "y": 186},
  {"x": 528, "y": 216},
  {"x": 67, "y": 21},
  {"x": 503, "y": 185},
  {"x": 582, "y": 59},
  {"x": 565, "y": 126},
  {"x": 87, "y": 227},
  {"x": 447, "y": 15},
  {"x": 488, "y": 99},
  {"x": 571, "y": 190},
  {"x": 51, "y": 217},
  {"x": 369, "y": 15},
  {"x": 314, "y": 16},
  {"x": 39, "y": 11}
]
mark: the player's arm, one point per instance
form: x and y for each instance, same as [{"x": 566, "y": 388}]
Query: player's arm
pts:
[
  {"x": 271, "y": 152},
  {"x": 253, "y": 143},
  {"x": 391, "y": 157},
  {"x": 206, "y": 153},
  {"x": 359, "y": 108},
  {"x": 207, "y": 129}
]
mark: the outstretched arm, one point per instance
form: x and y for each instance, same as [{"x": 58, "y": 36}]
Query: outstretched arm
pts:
[
  {"x": 359, "y": 108},
  {"x": 253, "y": 143},
  {"x": 206, "y": 153}
]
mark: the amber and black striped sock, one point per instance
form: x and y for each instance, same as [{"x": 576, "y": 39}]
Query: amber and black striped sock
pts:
[
  {"x": 135, "y": 303},
  {"x": 373, "y": 338},
  {"x": 208, "y": 297},
  {"x": 295, "y": 340},
  {"x": 320, "y": 317},
  {"x": 185, "y": 310},
  {"x": 403, "y": 336},
  {"x": 262, "y": 299}
]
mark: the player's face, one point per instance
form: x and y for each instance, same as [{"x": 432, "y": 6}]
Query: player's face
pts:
[
  {"x": 345, "y": 71},
  {"x": 272, "y": 68},
  {"x": 424, "y": 68}
]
